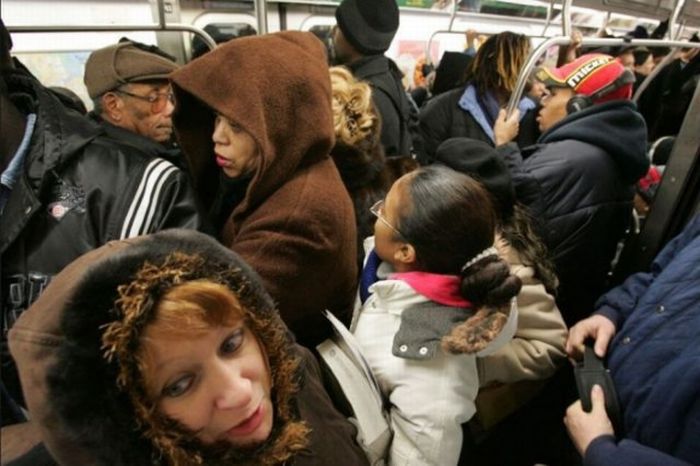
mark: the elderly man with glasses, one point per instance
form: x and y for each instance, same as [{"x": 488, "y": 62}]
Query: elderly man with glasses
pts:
[{"x": 131, "y": 95}]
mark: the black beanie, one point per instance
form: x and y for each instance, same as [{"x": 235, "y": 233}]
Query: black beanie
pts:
[
  {"x": 483, "y": 163},
  {"x": 369, "y": 25}
]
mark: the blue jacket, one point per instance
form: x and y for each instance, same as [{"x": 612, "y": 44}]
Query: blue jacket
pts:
[{"x": 654, "y": 359}]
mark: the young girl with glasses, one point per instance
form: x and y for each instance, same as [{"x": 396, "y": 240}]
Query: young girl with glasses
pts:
[{"x": 434, "y": 296}]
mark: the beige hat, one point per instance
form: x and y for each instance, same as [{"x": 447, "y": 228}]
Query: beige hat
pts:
[{"x": 122, "y": 63}]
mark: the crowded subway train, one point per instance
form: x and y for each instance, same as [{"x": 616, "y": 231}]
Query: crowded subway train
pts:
[{"x": 383, "y": 232}]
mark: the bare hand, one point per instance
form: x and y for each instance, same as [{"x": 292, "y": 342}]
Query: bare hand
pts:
[
  {"x": 584, "y": 427},
  {"x": 600, "y": 328},
  {"x": 576, "y": 39},
  {"x": 506, "y": 129},
  {"x": 574, "y": 46},
  {"x": 471, "y": 35}
]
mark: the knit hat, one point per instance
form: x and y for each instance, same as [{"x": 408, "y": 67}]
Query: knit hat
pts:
[
  {"x": 482, "y": 162},
  {"x": 590, "y": 75},
  {"x": 126, "y": 62},
  {"x": 369, "y": 25}
]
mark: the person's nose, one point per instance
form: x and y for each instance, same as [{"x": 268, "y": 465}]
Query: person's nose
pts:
[
  {"x": 231, "y": 389},
  {"x": 169, "y": 107},
  {"x": 218, "y": 135}
]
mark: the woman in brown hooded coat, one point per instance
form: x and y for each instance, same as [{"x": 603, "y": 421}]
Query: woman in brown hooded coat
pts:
[
  {"x": 260, "y": 109},
  {"x": 166, "y": 350}
]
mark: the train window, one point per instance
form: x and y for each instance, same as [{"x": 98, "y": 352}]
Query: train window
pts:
[
  {"x": 221, "y": 32},
  {"x": 321, "y": 31}
]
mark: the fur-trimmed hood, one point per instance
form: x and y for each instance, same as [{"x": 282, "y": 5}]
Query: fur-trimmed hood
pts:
[{"x": 70, "y": 386}]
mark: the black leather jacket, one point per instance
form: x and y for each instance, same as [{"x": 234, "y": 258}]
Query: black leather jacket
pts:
[{"x": 78, "y": 190}]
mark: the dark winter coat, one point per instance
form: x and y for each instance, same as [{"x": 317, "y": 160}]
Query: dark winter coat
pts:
[
  {"x": 78, "y": 190},
  {"x": 141, "y": 143},
  {"x": 86, "y": 418},
  {"x": 295, "y": 223},
  {"x": 654, "y": 359},
  {"x": 391, "y": 102},
  {"x": 578, "y": 181},
  {"x": 666, "y": 100},
  {"x": 442, "y": 118},
  {"x": 365, "y": 174}
]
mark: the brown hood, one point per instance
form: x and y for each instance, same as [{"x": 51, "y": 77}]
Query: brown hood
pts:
[
  {"x": 277, "y": 88},
  {"x": 70, "y": 386}
]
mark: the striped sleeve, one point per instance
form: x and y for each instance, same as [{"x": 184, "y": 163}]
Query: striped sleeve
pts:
[{"x": 140, "y": 216}]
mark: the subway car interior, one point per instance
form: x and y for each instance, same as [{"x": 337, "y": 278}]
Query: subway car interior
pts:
[{"x": 55, "y": 40}]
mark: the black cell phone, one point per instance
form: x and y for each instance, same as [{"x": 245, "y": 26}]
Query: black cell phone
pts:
[{"x": 591, "y": 371}]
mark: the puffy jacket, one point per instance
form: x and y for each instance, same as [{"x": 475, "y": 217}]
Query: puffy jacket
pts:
[
  {"x": 654, "y": 359},
  {"x": 78, "y": 190},
  {"x": 578, "y": 180},
  {"x": 443, "y": 118}
]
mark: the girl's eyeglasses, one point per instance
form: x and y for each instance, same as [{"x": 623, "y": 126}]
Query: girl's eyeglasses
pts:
[{"x": 378, "y": 211}]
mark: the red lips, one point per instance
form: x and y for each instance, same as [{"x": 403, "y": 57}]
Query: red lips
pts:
[
  {"x": 249, "y": 425},
  {"x": 222, "y": 162}
]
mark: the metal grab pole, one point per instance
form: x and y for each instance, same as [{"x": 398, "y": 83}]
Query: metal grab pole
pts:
[
  {"x": 673, "y": 29},
  {"x": 118, "y": 28},
  {"x": 566, "y": 18},
  {"x": 453, "y": 15},
  {"x": 548, "y": 21},
  {"x": 527, "y": 69},
  {"x": 654, "y": 73},
  {"x": 540, "y": 50},
  {"x": 261, "y": 16}
]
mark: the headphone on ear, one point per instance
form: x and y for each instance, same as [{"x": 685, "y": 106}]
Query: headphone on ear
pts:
[{"x": 580, "y": 101}]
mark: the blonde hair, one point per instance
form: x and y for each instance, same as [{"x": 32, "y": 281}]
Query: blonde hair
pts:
[
  {"x": 353, "y": 114},
  {"x": 497, "y": 64}
]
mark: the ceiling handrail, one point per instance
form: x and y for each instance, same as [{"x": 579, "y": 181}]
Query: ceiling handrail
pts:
[
  {"x": 260, "y": 15},
  {"x": 117, "y": 28},
  {"x": 591, "y": 41},
  {"x": 160, "y": 26},
  {"x": 566, "y": 18},
  {"x": 548, "y": 20}
]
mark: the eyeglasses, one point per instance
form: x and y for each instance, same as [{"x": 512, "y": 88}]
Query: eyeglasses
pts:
[
  {"x": 158, "y": 100},
  {"x": 378, "y": 211}
]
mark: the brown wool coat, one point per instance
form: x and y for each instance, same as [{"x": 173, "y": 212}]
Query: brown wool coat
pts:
[{"x": 295, "y": 225}]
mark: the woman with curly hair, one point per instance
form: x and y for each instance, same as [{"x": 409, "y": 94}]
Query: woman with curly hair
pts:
[
  {"x": 471, "y": 111},
  {"x": 358, "y": 152},
  {"x": 167, "y": 350}
]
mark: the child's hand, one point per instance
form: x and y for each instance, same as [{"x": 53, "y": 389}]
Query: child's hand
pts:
[{"x": 506, "y": 129}]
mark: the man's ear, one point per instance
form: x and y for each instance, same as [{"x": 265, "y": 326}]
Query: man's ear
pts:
[
  {"x": 405, "y": 254},
  {"x": 112, "y": 106}
]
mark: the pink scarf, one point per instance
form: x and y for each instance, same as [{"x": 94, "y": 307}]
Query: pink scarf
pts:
[{"x": 443, "y": 289}]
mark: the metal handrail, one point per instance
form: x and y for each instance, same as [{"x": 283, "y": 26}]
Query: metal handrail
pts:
[
  {"x": 261, "y": 15},
  {"x": 453, "y": 15},
  {"x": 595, "y": 42},
  {"x": 673, "y": 31},
  {"x": 654, "y": 73},
  {"x": 566, "y": 18},
  {"x": 548, "y": 20},
  {"x": 160, "y": 26},
  {"x": 117, "y": 28}
]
